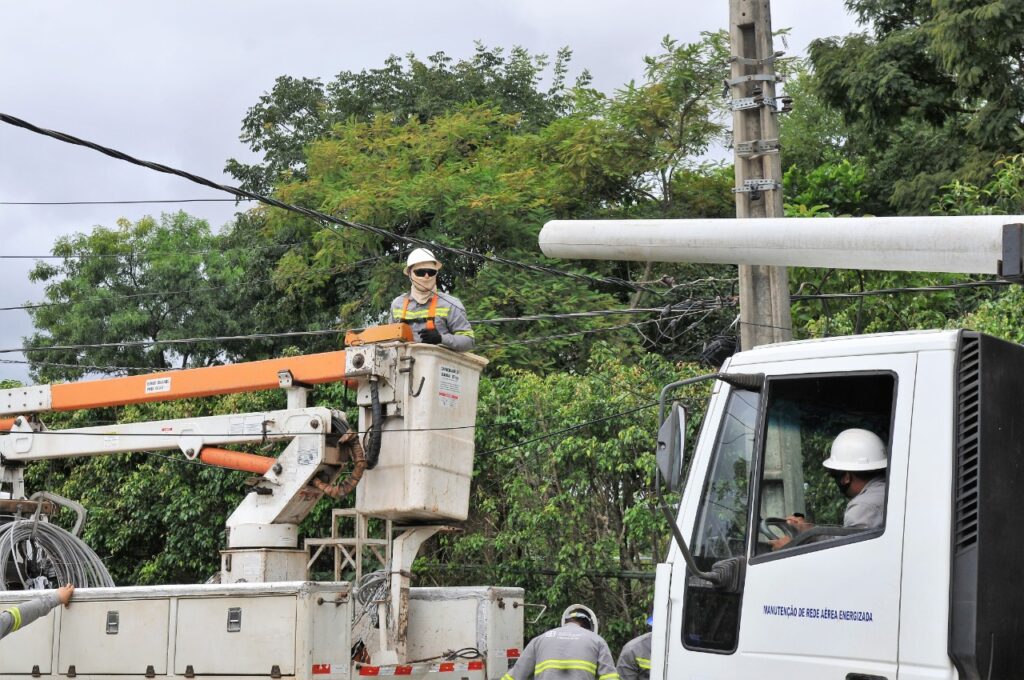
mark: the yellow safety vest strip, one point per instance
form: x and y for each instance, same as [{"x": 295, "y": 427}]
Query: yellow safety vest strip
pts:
[
  {"x": 468, "y": 334},
  {"x": 16, "y": 615},
  {"x": 507, "y": 676},
  {"x": 406, "y": 314},
  {"x": 609, "y": 676},
  {"x": 566, "y": 664},
  {"x": 643, "y": 663}
]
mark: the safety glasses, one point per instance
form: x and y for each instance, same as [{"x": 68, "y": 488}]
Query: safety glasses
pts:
[{"x": 425, "y": 272}]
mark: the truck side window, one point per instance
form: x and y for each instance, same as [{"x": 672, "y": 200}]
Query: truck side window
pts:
[
  {"x": 811, "y": 493},
  {"x": 711, "y": 618}
]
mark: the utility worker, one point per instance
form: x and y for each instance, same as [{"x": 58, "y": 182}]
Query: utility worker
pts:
[
  {"x": 574, "y": 651},
  {"x": 13, "y": 618},
  {"x": 857, "y": 462},
  {"x": 635, "y": 657},
  {"x": 436, "y": 318}
]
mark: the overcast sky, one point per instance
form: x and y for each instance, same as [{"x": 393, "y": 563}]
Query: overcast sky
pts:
[{"x": 169, "y": 81}]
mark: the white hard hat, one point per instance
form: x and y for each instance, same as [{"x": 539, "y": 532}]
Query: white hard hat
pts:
[
  {"x": 856, "y": 450},
  {"x": 580, "y": 611},
  {"x": 419, "y": 256}
]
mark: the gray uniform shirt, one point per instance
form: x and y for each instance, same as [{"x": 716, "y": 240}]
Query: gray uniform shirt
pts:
[
  {"x": 450, "y": 320},
  {"x": 567, "y": 653},
  {"x": 635, "y": 659},
  {"x": 13, "y": 618},
  {"x": 867, "y": 509}
]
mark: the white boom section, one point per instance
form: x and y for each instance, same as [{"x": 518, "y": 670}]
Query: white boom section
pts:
[
  {"x": 960, "y": 244},
  {"x": 268, "y": 517}
]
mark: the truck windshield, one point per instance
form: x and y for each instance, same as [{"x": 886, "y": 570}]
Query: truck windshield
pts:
[{"x": 722, "y": 527}]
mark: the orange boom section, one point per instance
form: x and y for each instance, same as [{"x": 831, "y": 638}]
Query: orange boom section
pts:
[
  {"x": 236, "y": 460},
  {"x": 198, "y": 382}
]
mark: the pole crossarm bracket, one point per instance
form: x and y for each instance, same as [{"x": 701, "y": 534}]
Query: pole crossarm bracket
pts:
[
  {"x": 756, "y": 147},
  {"x": 754, "y": 77},
  {"x": 754, "y": 62},
  {"x": 757, "y": 185}
]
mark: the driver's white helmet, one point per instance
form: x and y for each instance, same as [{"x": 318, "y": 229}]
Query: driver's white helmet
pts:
[
  {"x": 419, "y": 256},
  {"x": 857, "y": 450}
]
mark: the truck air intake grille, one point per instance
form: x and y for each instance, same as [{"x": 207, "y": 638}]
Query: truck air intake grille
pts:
[{"x": 968, "y": 419}]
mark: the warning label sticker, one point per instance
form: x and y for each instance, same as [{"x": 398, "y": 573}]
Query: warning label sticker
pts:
[
  {"x": 449, "y": 386},
  {"x": 157, "y": 385}
]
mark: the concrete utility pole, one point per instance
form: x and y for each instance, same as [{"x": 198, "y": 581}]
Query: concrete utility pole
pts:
[{"x": 764, "y": 291}]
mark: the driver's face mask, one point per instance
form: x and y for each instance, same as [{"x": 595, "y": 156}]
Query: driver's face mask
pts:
[{"x": 837, "y": 477}]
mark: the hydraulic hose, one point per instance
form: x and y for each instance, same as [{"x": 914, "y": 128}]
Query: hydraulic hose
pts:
[
  {"x": 351, "y": 441},
  {"x": 373, "y": 448}
]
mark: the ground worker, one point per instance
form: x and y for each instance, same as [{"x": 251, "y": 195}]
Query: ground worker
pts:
[
  {"x": 574, "y": 651},
  {"x": 436, "y": 318},
  {"x": 13, "y": 618},
  {"x": 635, "y": 657}
]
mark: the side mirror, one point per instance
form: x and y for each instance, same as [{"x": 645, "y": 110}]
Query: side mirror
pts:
[{"x": 669, "y": 455}]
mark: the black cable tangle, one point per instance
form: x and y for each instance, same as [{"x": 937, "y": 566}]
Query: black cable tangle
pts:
[{"x": 331, "y": 222}]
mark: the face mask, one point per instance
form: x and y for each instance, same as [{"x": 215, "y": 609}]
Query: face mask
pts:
[{"x": 837, "y": 477}]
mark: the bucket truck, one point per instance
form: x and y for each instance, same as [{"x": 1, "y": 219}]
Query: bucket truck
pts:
[{"x": 409, "y": 460}]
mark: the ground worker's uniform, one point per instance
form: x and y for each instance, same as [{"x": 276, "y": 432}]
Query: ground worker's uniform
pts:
[
  {"x": 635, "y": 659},
  {"x": 567, "y": 653},
  {"x": 441, "y": 311},
  {"x": 13, "y": 618}
]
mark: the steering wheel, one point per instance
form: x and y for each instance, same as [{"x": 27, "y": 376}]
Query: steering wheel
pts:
[{"x": 780, "y": 526}]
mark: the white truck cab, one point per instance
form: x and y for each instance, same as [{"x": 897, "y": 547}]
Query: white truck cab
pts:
[{"x": 931, "y": 593}]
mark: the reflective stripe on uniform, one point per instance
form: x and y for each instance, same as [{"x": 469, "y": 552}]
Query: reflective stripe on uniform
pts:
[
  {"x": 416, "y": 314},
  {"x": 643, "y": 663},
  {"x": 507, "y": 676},
  {"x": 16, "y": 615},
  {"x": 609, "y": 676},
  {"x": 566, "y": 664},
  {"x": 467, "y": 333}
]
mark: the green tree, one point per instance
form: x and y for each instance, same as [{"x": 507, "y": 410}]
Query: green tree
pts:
[
  {"x": 564, "y": 510},
  {"x": 934, "y": 91},
  {"x": 145, "y": 281},
  {"x": 299, "y": 111}
]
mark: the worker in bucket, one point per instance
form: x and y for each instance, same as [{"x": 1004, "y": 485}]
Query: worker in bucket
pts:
[
  {"x": 857, "y": 462},
  {"x": 436, "y": 318},
  {"x": 573, "y": 651},
  {"x": 18, "y": 616},
  {"x": 635, "y": 658}
]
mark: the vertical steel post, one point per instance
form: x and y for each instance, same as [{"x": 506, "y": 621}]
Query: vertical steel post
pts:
[{"x": 764, "y": 291}]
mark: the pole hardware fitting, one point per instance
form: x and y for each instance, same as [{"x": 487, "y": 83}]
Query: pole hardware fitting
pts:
[
  {"x": 744, "y": 103},
  {"x": 757, "y": 147},
  {"x": 746, "y": 61},
  {"x": 754, "y": 77},
  {"x": 756, "y": 186},
  {"x": 1011, "y": 266}
]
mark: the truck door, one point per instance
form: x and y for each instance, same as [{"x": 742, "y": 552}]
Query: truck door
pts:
[{"x": 823, "y": 602}]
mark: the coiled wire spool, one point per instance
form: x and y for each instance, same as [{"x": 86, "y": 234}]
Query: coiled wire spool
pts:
[{"x": 56, "y": 550}]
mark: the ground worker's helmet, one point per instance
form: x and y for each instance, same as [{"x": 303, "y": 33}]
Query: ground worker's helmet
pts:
[
  {"x": 582, "y": 614},
  {"x": 857, "y": 450},
  {"x": 419, "y": 256}
]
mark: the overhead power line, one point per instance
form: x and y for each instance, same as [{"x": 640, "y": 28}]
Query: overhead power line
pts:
[
  {"x": 331, "y": 221},
  {"x": 139, "y": 202},
  {"x": 680, "y": 309}
]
